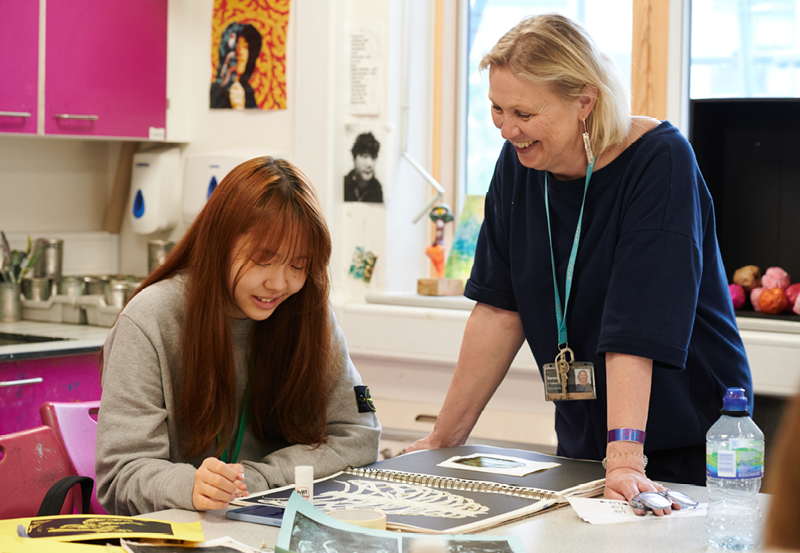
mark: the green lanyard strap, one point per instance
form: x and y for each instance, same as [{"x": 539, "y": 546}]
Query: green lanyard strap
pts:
[
  {"x": 242, "y": 425},
  {"x": 561, "y": 318}
]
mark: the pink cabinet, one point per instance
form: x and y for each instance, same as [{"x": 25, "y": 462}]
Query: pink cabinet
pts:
[
  {"x": 26, "y": 384},
  {"x": 105, "y": 68},
  {"x": 19, "y": 64}
]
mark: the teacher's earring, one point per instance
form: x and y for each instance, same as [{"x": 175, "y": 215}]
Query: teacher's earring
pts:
[{"x": 587, "y": 145}]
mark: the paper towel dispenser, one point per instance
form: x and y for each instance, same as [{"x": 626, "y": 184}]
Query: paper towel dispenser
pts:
[
  {"x": 155, "y": 190},
  {"x": 204, "y": 172}
]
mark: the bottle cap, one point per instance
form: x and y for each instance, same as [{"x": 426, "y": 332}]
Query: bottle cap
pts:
[
  {"x": 734, "y": 400},
  {"x": 303, "y": 472}
]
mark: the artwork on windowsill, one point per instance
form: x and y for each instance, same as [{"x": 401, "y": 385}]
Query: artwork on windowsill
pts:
[
  {"x": 462, "y": 253},
  {"x": 439, "y": 286},
  {"x": 771, "y": 294},
  {"x": 248, "y": 54}
]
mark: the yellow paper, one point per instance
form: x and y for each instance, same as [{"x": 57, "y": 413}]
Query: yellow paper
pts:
[
  {"x": 67, "y": 528},
  {"x": 11, "y": 544}
]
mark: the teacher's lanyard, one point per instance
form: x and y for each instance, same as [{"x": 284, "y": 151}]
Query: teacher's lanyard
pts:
[
  {"x": 242, "y": 425},
  {"x": 561, "y": 318}
]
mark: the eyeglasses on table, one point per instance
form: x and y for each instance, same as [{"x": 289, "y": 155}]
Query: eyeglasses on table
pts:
[{"x": 661, "y": 500}]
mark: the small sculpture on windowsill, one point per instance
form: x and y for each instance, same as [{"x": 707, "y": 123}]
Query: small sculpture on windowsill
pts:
[{"x": 439, "y": 286}]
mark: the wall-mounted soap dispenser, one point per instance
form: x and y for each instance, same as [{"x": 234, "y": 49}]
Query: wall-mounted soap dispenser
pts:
[
  {"x": 204, "y": 172},
  {"x": 155, "y": 190}
]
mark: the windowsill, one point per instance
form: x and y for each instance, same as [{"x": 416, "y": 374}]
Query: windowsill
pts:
[
  {"x": 410, "y": 299},
  {"x": 765, "y": 323}
]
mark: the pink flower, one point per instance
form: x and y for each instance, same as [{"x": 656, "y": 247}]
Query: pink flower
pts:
[
  {"x": 792, "y": 293},
  {"x": 737, "y": 295},
  {"x": 775, "y": 277},
  {"x": 754, "y": 294}
]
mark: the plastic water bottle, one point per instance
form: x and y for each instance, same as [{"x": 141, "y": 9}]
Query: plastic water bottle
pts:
[{"x": 734, "y": 469}]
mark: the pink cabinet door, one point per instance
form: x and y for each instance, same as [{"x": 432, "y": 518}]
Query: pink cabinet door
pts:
[
  {"x": 19, "y": 66},
  {"x": 26, "y": 384},
  {"x": 105, "y": 67}
]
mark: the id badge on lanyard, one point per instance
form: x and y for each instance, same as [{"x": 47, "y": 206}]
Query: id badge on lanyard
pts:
[
  {"x": 565, "y": 378},
  {"x": 569, "y": 379}
]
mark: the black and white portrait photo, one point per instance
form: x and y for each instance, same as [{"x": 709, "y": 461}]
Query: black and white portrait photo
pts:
[{"x": 363, "y": 182}]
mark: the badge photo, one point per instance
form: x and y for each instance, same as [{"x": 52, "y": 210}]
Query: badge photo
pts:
[{"x": 580, "y": 382}]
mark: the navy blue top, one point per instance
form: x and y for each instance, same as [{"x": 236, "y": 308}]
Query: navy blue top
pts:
[{"x": 649, "y": 281}]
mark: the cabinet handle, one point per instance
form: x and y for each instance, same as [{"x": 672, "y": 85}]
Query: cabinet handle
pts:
[
  {"x": 14, "y": 114},
  {"x": 81, "y": 117},
  {"x": 22, "y": 382}
]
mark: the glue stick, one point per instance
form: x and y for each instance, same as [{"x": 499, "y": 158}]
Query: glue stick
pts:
[{"x": 304, "y": 481}]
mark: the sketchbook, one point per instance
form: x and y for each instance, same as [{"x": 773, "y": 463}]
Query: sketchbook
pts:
[{"x": 418, "y": 494}]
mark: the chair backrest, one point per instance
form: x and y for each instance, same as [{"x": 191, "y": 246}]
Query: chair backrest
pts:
[
  {"x": 32, "y": 461},
  {"x": 72, "y": 422}
]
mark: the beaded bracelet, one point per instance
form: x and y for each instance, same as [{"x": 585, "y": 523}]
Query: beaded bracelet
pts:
[
  {"x": 626, "y": 455},
  {"x": 626, "y": 435}
]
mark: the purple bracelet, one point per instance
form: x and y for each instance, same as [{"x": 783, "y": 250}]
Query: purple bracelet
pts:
[{"x": 626, "y": 435}]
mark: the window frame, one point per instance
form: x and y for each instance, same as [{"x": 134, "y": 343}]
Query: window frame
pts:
[{"x": 649, "y": 84}]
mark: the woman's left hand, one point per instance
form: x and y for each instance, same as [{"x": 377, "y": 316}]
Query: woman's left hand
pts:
[{"x": 624, "y": 483}]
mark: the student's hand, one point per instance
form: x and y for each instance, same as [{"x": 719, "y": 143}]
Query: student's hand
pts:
[
  {"x": 216, "y": 484},
  {"x": 624, "y": 483}
]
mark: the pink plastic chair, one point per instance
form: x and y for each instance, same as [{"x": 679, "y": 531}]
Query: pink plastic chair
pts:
[
  {"x": 72, "y": 422},
  {"x": 32, "y": 461}
]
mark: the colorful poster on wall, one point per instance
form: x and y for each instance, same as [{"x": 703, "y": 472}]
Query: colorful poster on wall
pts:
[{"x": 248, "y": 54}]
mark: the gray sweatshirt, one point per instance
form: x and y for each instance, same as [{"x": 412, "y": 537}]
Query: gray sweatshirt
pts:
[{"x": 138, "y": 465}]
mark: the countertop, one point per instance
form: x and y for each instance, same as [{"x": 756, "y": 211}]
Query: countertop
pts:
[{"x": 80, "y": 338}]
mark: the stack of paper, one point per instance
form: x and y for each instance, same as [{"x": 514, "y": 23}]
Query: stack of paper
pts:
[{"x": 605, "y": 511}]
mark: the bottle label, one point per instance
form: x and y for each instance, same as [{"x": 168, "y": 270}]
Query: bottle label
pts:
[
  {"x": 303, "y": 491},
  {"x": 739, "y": 458}
]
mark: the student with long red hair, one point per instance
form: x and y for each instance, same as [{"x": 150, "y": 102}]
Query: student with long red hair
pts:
[{"x": 226, "y": 369}]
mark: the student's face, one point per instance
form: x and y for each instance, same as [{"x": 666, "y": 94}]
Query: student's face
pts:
[
  {"x": 545, "y": 130},
  {"x": 582, "y": 378},
  {"x": 365, "y": 166},
  {"x": 264, "y": 283}
]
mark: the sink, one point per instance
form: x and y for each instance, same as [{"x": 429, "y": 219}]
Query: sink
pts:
[{"x": 9, "y": 339}]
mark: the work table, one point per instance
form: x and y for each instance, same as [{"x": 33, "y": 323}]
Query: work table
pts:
[{"x": 553, "y": 531}]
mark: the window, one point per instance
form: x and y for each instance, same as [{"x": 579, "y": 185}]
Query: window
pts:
[
  {"x": 745, "y": 49},
  {"x": 609, "y": 22}
]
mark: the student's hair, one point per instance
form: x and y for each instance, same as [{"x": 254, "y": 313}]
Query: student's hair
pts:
[
  {"x": 365, "y": 144},
  {"x": 274, "y": 202},
  {"x": 552, "y": 49},
  {"x": 783, "y": 482}
]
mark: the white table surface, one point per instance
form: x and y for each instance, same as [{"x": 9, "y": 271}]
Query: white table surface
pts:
[
  {"x": 78, "y": 337},
  {"x": 552, "y": 531}
]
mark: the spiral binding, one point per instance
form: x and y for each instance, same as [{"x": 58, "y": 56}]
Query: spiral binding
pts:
[{"x": 449, "y": 483}]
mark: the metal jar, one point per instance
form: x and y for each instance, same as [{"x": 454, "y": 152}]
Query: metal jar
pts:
[
  {"x": 95, "y": 285},
  {"x": 50, "y": 262},
  {"x": 116, "y": 293},
  {"x": 71, "y": 286},
  {"x": 157, "y": 251},
  {"x": 37, "y": 289},
  {"x": 10, "y": 302}
]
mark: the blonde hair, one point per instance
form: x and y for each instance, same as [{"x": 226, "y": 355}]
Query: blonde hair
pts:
[{"x": 555, "y": 50}]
